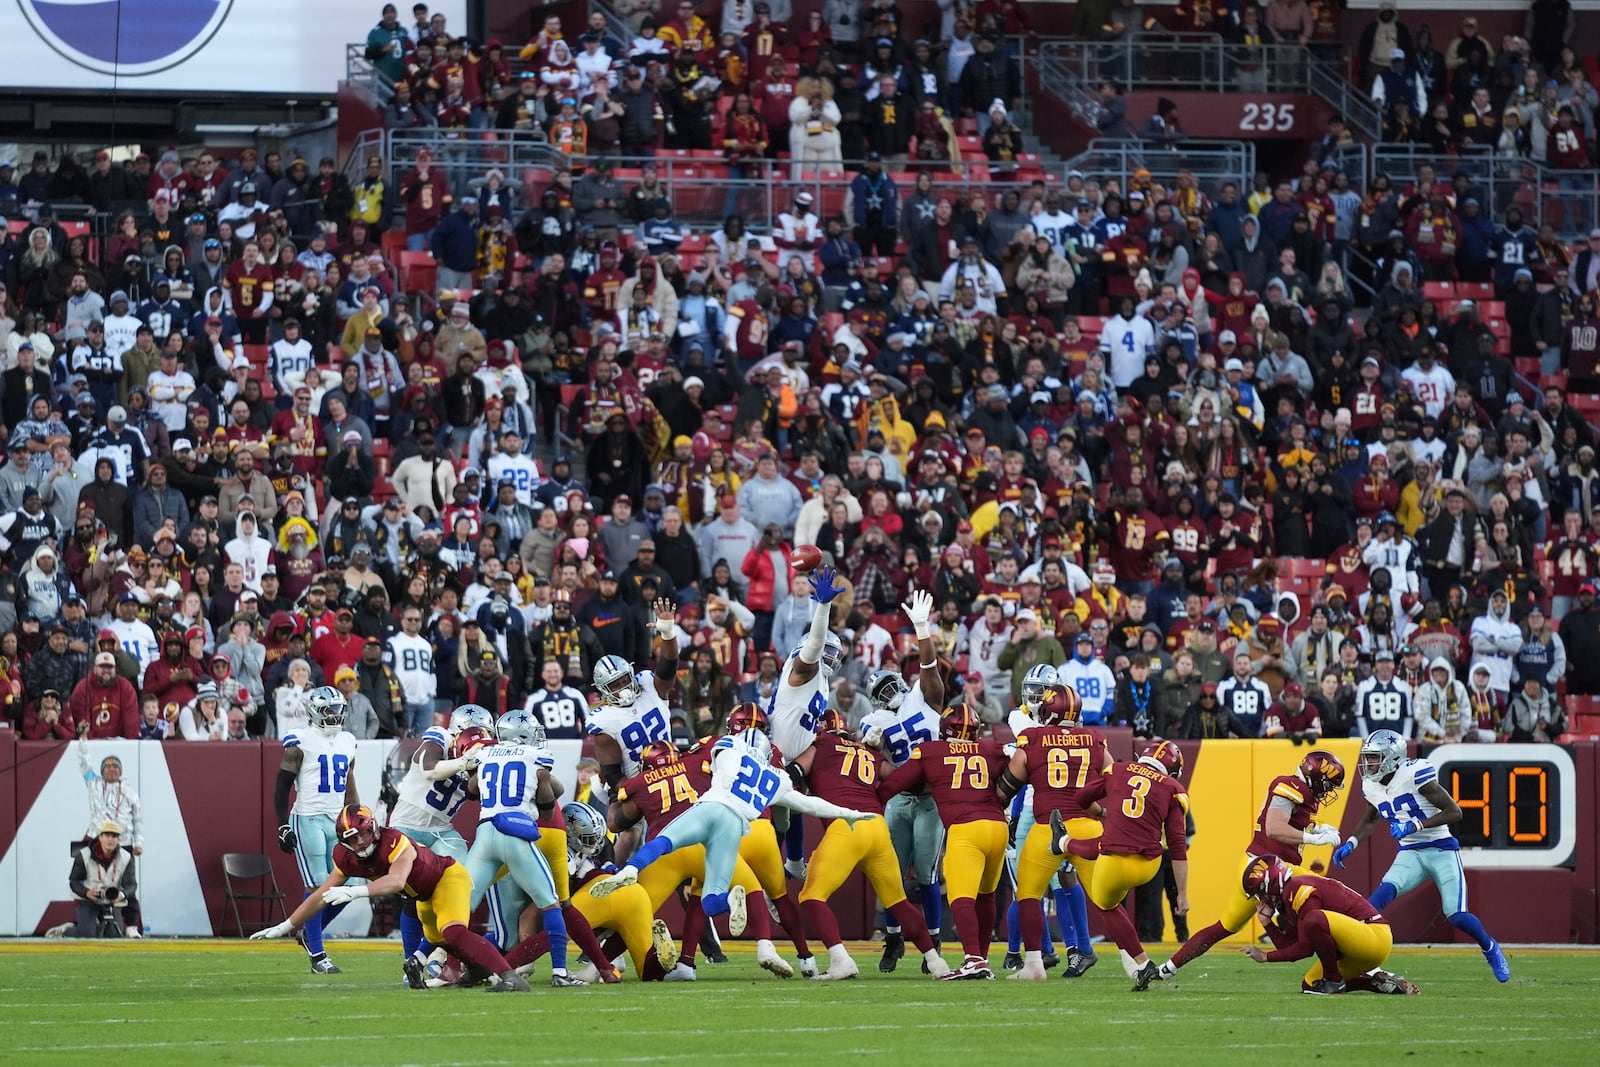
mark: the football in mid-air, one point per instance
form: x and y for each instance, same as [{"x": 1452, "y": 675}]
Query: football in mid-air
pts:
[{"x": 806, "y": 558}]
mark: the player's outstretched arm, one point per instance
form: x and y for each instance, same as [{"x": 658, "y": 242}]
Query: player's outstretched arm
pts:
[
  {"x": 666, "y": 624},
  {"x": 919, "y": 609},
  {"x": 308, "y": 907},
  {"x": 823, "y": 592},
  {"x": 392, "y": 882},
  {"x": 807, "y": 804}
]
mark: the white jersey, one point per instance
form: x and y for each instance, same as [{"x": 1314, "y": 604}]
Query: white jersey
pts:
[
  {"x": 137, "y": 640},
  {"x": 633, "y": 727},
  {"x": 325, "y": 764},
  {"x": 1019, "y": 720},
  {"x": 1433, "y": 388},
  {"x": 904, "y": 728},
  {"x": 742, "y": 780},
  {"x": 1402, "y": 799},
  {"x": 1383, "y": 706},
  {"x": 169, "y": 396},
  {"x": 523, "y": 471},
  {"x": 1126, "y": 342},
  {"x": 1095, "y": 686},
  {"x": 292, "y": 359},
  {"x": 795, "y": 710},
  {"x": 508, "y": 777},
  {"x": 412, "y": 661},
  {"x": 425, "y": 804}
]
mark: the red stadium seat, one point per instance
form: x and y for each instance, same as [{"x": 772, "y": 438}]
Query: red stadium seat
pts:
[
  {"x": 418, "y": 272},
  {"x": 1474, "y": 291},
  {"x": 1436, "y": 291}
]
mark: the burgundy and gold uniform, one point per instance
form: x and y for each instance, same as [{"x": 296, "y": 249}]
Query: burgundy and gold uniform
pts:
[
  {"x": 1061, "y": 760},
  {"x": 961, "y": 777},
  {"x": 440, "y": 886},
  {"x": 1139, "y": 536},
  {"x": 661, "y": 794},
  {"x": 1575, "y": 562},
  {"x": 1293, "y": 789},
  {"x": 1311, "y": 905}
]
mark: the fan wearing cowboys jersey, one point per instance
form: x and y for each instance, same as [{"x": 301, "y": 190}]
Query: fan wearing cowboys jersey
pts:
[
  {"x": 556, "y": 705},
  {"x": 1246, "y": 696},
  {"x": 1383, "y": 702}
]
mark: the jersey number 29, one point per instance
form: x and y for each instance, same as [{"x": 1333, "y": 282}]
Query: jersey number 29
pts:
[{"x": 756, "y": 785}]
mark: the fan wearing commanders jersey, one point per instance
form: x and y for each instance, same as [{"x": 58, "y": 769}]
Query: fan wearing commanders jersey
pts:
[
  {"x": 744, "y": 784},
  {"x": 1383, "y": 702},
  {"x": 961, "y": 772},
  {"x": 844, "y": 772},
  {"x": 392, "y": 864},
  {"x": 1146, "y": 814},
  {"x": 1056, "y": 756},
  {"x": 1306, "y": 915},
  {"x": 559, "y": 707},
  {"x": 1285, "y": 826},
  {"x": 901, "y": 719},
  {"x": 319, "y": 765},
  {"x": 801, "y": 697},
  {"x": 1407, "y": 795},
  {"x": 633, "y": 707}
]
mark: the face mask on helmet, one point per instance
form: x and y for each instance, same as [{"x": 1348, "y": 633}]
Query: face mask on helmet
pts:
[
  {"x": 586, "y": 831},
  {"x": 1033, "y": 686},
  {"x": 326, "y": 709},
  {"x": 1382, "y": 754},
  {"x": 832, "y": 656},
  {"x": 887, "y": 691},
  {"x": 358, "y": 830},
  {"x": 613, "y": 677}
]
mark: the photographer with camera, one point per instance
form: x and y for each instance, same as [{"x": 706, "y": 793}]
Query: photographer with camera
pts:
[{"x": 102, "y": 884}]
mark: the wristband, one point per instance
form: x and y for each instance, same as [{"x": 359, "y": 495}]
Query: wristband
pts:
[
  {"x": 665, "y": 628},
  {"x": 929, "y": 666},
  {"x": 924, "y": 633}
]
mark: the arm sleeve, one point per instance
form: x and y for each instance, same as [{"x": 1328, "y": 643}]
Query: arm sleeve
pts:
[
  {"x": 817, "y": 636},
  {"x": 280, "y": 795}
]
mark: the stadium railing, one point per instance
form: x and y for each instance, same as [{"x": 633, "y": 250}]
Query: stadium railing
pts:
[{"x": 1567, "y": 199}]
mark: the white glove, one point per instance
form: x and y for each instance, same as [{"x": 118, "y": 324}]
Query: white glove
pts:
[
  {"x": 470, "y": 761},
  {"x": 343, "y": 894},
  {"x": 283, "y": 929},
  {"x": 873, "y": 738},
  {"x": 919, "y": 610},
  {"x": 1322, "y": 834},
  {"x": 854, "y": 817}
]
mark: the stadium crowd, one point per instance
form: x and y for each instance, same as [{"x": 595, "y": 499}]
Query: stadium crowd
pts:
[{"x": 1132, "y": 427}]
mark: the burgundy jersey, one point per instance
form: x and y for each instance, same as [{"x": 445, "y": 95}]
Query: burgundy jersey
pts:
[
  {"x": 1141, "y": 804},
  {"x": 844, "y": 773},
  {"x": 750, "y": 334},
  {"x": 1348, "y": 569},
  {"x": 1365, "y": 402},
  {"x": 247, "y": 286},
  {"x": 1061, "y": 761},
  {"x": 1581, "y": 350},
  {"x": 426, "y": 869},
  {"x": 1235, "y": 550},
  {"x": 1292, "y": 788},
  {"x": 661, "y": 794},
  {"x": 1331, "y": 895},
  {"x": 1566, "y": 149},
  {"x": 960, "y": 775},
  {"x": 1139, "y": 536},
  {"x": 1189, "y": 541},
  {"x": 1574, "y": 563}
]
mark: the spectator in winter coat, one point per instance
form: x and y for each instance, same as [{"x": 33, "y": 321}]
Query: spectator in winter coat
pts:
[
  {"x": 769, "y": 572},
  {"x": 769, "y": 499},
  {"x": 1496, "y": 638},
  {"x": 103, "y": 704},
  {"x": 1533, "y": 715}
]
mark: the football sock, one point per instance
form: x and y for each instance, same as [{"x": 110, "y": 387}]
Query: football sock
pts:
[
  {"x": 1468, "y": 924},
  {"x": 822, "y": 922},
  {"x": 965, "y": 913},
  {"x": 332, "y": 912},
  {"x": 311, "y": 933},
  {"x": 986, "y": 915},
  {"x": 1383, "y": 896},
  {"x": 789, "y": 916},
  {"x": 716, "y": 904},
  {"x": 1199, "y": 943},
  {"x": 694, "y": 922},
  {"x": 1078, "y": 901},
  {"x": 1029, "y": 925},
  {"x": 1315, "y": 932},
  {"x": 932, "y": 907},
  {"x": 471, "y": 948},
  {"x": 410, "y": 933},
  {"x": 579, "y": 930},
  {"x": 910, "y": 920},
  {"x": 1064, "y": 919},
  {"x": 652, "y": 971},
  {"x": 556, "y": 928},
  {"x": 650, "y": 852},
  {"x": 758, "y": 921},
  {"x": 1120, "y": 927},
  {"x": 528, "y": 949},
  {"x": 1013, "y": 931},
  {"x": 794, "y": 839}
]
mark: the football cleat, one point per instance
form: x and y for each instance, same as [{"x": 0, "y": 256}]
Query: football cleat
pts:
[
  {"x": 511, "y": 982},
  {"x": 839, "y": 970},
  {"x": 894, "y": 947},
  {"x": 1078, "y": 963},
  {"x": 321, "y": 964},
  {"x": 711, "y": 946},
  {"x": 1387, "y": 982},
  {"x": 1013, "y": 961},
  {"x": 934, "y": 965},
  {"x": 1058, "y": 834},
  {"x": 601, "y": 888},
  {"x": 1167, "y": 972},
  {"x": 738, "y": 916},
  {"x": 566, "y": 981},
  {"x": 974, "y": 968},
  {"x": 666, "y": 948},
  {"x": 1497, "y": 962},
  {"x": 769, "y": 959},
  {"x": 1145, "y": 975},
  {"x": 937, "y": 947},
  {"x": 472, "y": 975},
  {"x": 807, "y": 965},
  {"x": 1029, "y": 972},
  {"x": 1323, "y": 987},
  {"x": 681, "y": 972},
  {"x": 1050, "y": 959},
  {"x": 589, "y": 974},
  {"x": 416, "y": 972}
]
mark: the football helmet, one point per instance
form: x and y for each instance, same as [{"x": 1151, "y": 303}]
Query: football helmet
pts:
[
  {"x": 747, "y": 716},
  {"x": 357, "y": 830},
  {"x": 326, "y": 707},
  {"x": 1323, "y": 772},
  {"x": 887, "y": 690},
  {"x": 759, "y": 742},
  {"x": 520, "y": 727},
  {"x": 959, "y": 723},
  {"x": 470, "y": 715},
  {"x": 1265, "y": 878},
  {"x": 834, "y": 722},
  {"x": 1166, "y": 755},
  {"x": 1382, "y": 753},
  {"x": 1033, "y": 685},
  {"x": 615, "y": 681},
  {"x": 832, "y": 655},
  {"x": 1059, "y": 704},
  {"x": 472, "y": 737},
  {"x": 586, "y": 830},
  {"x": 658, "y": 754}
]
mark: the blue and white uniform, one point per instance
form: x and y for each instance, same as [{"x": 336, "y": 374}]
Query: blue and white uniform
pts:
[
  {"x": 915, "y": 830},
  {"x": 1383, "y": 705},
  {"x": 508, "y": 777},
  {"x": 634, "y": 726},
  {"x": 794, "y": 711},
  {"x": 1431, "y": 852},
  {"x": 325, "y": 766},
  {"x": 425, "y": 807}
]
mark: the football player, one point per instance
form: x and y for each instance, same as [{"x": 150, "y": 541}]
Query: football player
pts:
[
  {"x": 1024, "y": 716},
  {"x": 744, "y": 783},
  {"x": 759, "y": 848},
  {"x": 961, "y": 773},
  {"x": 1285, "y": 826},
  {"x": 902, "y": 718},
  {"x": 844, "y": 772},
  {"x": 319, "y": 765},
  {"x": 633, "y": 707},
  {"x": 1055, "y": 758},
  {"x": 392, "y": 864},
  {"x": 1306, "y": 915},
  {"x": 1146, "y": 813},
  {"x": 657, "y": 796},
  {"x": 1407, "y": 794},
  {"x": 626, "y": 913},
  {"x": 801, "y": 697},
  {"x": 509, "y": 916},
  {"x": 507, "y": 776}
]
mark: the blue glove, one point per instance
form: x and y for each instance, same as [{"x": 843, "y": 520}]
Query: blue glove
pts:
[
  {"x": 822, "y": 588},
  {"x": 1342, "y": 853},
  {"x": 1401, "y": 828}
]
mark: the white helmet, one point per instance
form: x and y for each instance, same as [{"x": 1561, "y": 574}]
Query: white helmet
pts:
[
  {"x": 887, "y": 690},
  {"x": 832, "y": 655},
  {"x": 614, "y": 679},
  {"x": 325, "y": 707},
  {"x": 758, "y": 741},
  {"x": 1386, "y": 749},
  {"x": 1039, "y": 677},
  {"x": 470, "y": 715},
  {"x": 519, "y": 727}
]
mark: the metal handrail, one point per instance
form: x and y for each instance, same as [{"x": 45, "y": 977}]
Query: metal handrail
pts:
[
  {"x": 1325, "y": 78},
  {"x": 1211, "y": 162},
  {"x": 1567, "y": 199}
]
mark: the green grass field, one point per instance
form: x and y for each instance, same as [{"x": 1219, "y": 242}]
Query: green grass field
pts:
[{"x": 228, "y": 1003}]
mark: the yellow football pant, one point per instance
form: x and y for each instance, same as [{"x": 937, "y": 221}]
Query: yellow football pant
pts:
[
  {"x": 626, "y": 912},
  {"x": 1239, "y": 908},
  {"x": 1036, "y": 864},
  {"x": 842, "y": 850},
  {"x": 1116, "y": 874},
  {"x": 663, "y": 877},
  {"x": 552, "y": 846},
  {"x": 1362, "y": 946},
  {"x": 759, "y": 848},
  {"x": 974, "y": 857},
  {"x": 448, "y": 905}
]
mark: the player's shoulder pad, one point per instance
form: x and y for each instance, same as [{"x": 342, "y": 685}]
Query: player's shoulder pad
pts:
[
  {"x": 1022, "y": 738},
  {"x": 594, "y": 727},
  {"x": 291, "y": 740},
  {"x": 1290, "y": 789},
  {"x": 438, "y": 735},
  {"x": 1422, "y": 771}
]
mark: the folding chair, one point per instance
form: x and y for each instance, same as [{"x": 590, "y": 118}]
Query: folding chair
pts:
[{"x": 249, "y": 866}]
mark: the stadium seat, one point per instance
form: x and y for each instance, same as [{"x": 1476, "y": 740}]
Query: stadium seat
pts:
[
  {"x": 1437, "y": 291},
  {"x": 1475, "y": 291},
  {"x": 418, "y": 272}
]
